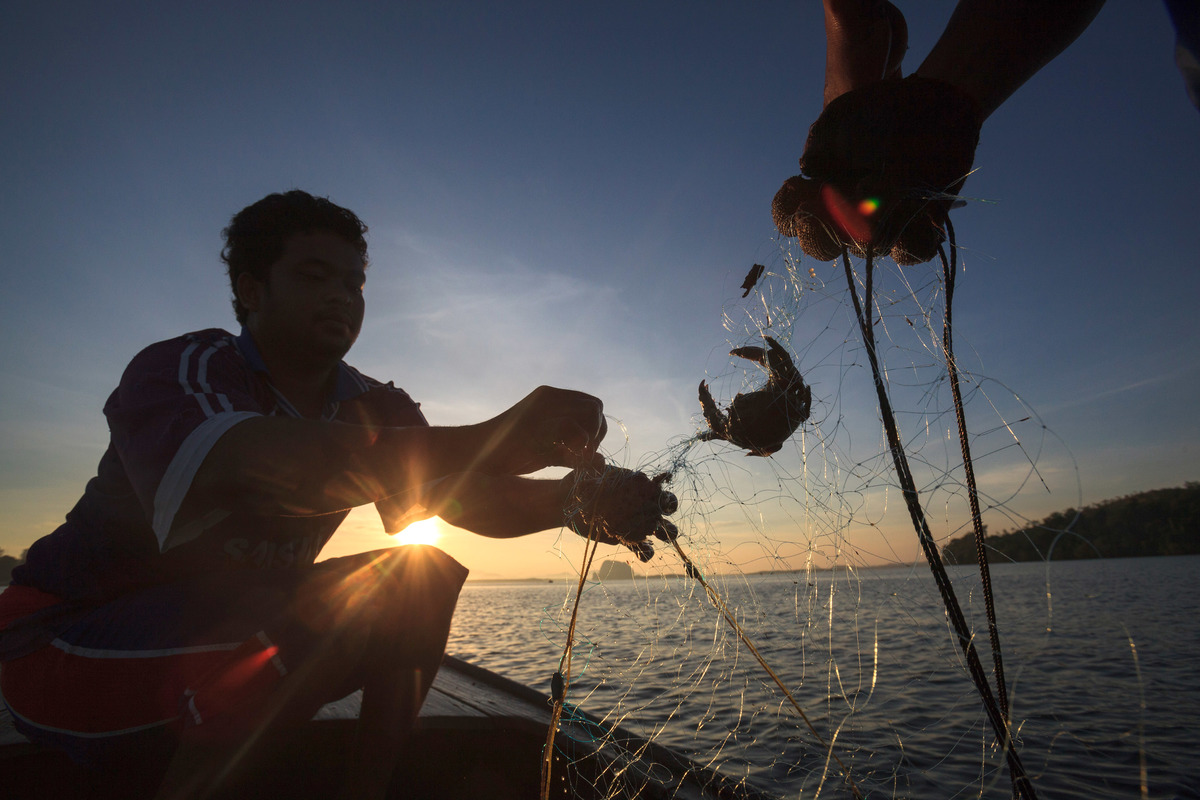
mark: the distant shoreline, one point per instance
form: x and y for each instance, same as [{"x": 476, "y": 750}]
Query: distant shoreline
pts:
[
  {"x": 919, "y": 565},
  {"x": 572, "y": 579},
  {"x": 1159, "y": 522}
]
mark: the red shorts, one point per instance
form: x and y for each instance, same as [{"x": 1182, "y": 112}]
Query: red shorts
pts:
[{"x": 128, "y": 676}]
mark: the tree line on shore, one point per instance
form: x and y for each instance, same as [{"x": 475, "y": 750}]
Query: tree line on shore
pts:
[{"x": 1160, "y": 522}]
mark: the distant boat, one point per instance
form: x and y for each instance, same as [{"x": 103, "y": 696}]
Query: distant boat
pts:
[{"x": 480, "y": 735}]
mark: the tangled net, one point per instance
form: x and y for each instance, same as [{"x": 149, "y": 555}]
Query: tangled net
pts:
[{"x": 793, "y": 639}]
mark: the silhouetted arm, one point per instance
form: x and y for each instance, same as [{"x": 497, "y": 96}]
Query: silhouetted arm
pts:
[
  {"x": 612, "y": 505},
  {"x": 298, "y": 467},
  {"x": 990, "y": 48}
]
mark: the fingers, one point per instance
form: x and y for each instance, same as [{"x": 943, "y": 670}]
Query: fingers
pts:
[
  {"x": 574, "y": 424},
  {"x": 584, "y": 462},
  {"x": 584, "y": 410},
  {"x": 574, "y": 445},
  {"x": 798, "y": 211},
  {"x": 549, "y": 428}
]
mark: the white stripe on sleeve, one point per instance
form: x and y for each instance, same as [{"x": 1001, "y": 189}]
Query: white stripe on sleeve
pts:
[{"x": 178, "y": 479}]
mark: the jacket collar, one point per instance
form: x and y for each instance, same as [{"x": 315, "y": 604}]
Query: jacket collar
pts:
[{"x": 348, "y": 384}]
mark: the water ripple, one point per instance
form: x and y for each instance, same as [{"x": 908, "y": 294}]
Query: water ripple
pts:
[{"x": 1100, "y": 658}]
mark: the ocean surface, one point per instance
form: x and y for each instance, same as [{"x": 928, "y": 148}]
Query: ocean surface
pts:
[{"x": 1102, "y": 660}]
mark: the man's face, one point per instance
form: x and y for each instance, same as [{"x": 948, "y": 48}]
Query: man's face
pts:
[{"x": 313, "y": 298}]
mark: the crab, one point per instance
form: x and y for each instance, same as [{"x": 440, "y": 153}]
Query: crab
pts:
[
  {"x": 762, "y": 420},
  {"x": 621, "y": 506}
]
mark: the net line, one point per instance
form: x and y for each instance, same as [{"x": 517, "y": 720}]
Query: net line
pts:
[{"x": 823, "y": 489}]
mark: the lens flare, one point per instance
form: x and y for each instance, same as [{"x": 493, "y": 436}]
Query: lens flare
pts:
[
  {"x": 425, "y": 531},
  {"x": 868, "y": 206},
  {"x": 848, "y": 217}
]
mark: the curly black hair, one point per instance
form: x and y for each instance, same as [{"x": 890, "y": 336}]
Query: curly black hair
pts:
[{"x": 257, "y": 234}]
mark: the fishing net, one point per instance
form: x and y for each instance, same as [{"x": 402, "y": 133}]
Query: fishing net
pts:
[{"x": 796, "y": 640}]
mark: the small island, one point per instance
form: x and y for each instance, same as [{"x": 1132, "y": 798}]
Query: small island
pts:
[
  {"x": 615, "y": 571},
  {"x": 1160, "y": 522}
]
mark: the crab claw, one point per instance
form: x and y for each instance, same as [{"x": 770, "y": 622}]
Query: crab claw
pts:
[
  {"x": 776, "y": 360},
  {"x": 643, "y": 550},
  {"x": 712, "y": 415},
  {"x": 755, "y": 354}
]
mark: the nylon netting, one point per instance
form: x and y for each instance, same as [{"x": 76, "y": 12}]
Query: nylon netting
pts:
[{"x": 812, "y": 555}]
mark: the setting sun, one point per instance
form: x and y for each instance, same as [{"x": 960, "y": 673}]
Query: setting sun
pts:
[{"x": 425, "y": 531}]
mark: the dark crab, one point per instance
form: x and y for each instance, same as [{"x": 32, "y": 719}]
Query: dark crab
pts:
[{"x": 762, "y": 420}]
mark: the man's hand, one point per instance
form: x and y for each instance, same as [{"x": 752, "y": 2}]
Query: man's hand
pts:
[
  {"x": 548, "y": 428},
  {"x": 881, "y": 167},
  {"x": 620, "y": 506},
  {"x": 887, "y": 155}
]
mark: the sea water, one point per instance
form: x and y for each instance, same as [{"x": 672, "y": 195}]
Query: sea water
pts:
[{"x": 1101, "y": 657}]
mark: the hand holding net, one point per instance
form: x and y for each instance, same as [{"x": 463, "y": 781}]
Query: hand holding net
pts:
[
  {"x": 621, "y": 506},
  {"x": 880, "y": 170}
]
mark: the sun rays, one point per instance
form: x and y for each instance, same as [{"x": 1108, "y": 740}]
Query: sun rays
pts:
[{"x": 425, "y": 531}]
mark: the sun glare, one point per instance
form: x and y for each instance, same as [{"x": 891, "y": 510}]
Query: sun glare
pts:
[{"x": 425, "y": 531}]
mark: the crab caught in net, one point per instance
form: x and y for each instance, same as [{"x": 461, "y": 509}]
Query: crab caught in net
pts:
[
  {"x": 762, "y": 420},
  {"x": 622, "y": 506}
]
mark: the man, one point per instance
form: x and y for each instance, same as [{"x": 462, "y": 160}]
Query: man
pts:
[{"x": 179, "y": 604}]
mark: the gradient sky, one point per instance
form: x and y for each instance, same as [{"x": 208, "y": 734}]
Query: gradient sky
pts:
[{"x": 571, "y": 194}]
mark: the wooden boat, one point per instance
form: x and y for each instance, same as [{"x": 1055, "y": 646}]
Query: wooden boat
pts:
[{"x": 480, "y": 735}]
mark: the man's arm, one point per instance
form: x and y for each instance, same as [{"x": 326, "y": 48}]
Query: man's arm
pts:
[
  {"x": 990, "y": 48},
  {"x": 285, "y": 466},
  {"x": 274, "y": 466},
  {"x": 496, "y": 506},
  {"x": 612, "y": 505}
]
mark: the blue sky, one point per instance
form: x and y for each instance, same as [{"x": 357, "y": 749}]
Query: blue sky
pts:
[{"x": 571, "y": 194}]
